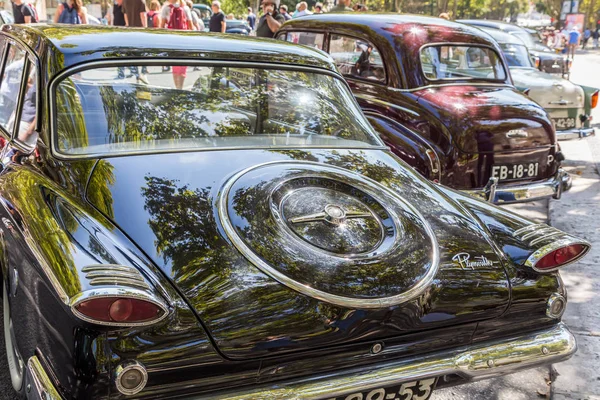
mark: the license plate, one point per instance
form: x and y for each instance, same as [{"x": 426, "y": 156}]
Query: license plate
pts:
[
  {"x": 416, "y": 390},
  {"x": 515, "y": 171},
  {"x": 564, "y": 123}
]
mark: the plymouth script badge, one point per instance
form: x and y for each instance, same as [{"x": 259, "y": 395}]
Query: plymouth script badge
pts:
[{"x": 465, "y": 261}]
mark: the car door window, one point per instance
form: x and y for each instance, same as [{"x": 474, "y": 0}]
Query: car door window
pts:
[
  {"x": 356, "y": 58},
  {"x": 10, "y": 87},
  {"x": 26, "y": 133},
  {"x": 310, "y": 39}
]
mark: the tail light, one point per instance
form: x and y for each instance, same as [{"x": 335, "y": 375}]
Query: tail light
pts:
[
  {"x": 537, "y": 62},
  {"x": 594, "y": 101},
  {"x": 555, "y": 248},
  {"x": 126, "y": 309}
]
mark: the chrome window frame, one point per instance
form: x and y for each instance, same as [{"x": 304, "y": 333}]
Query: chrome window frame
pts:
[
  {"x": 506, "y": 79},
  {"x": 56, "y": 80}
]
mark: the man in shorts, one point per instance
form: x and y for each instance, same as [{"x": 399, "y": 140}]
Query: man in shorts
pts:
[{"x": 574, "y": 39}]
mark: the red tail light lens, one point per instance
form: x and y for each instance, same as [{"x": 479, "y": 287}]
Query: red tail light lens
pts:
[
  {"x": 119, "y": 310},
  {"x": 560, "y": 257},
  {"x": 537, "y": 62},
  {"x": 595, "y": 99}
]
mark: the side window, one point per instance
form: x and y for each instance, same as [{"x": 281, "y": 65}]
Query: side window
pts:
[
  {"x": 26, "y": 133},
  {"x": 310, "y": 39},
  {"x": 10, "y": 86},
  {"x": 356, "y": 58}
]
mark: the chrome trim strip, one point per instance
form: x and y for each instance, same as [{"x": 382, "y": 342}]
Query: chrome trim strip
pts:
[
  {"x": 527, "y": 228},
  {"x": 115, "y": 274},
  {"x": 349, "y": 302},
  {"x": 42, "y": 387},
  {"x": 117, "y": 292},
  {"x": 109, "y": 267},
  {"x": 540, "y": 231},
  {"x": 126, "y": 366},
  {"x": 119, "y": 281},
  {"x": 575, "y": 133},
  {"x": 479, "y": 361},
  {"x": 51, "y": 101},
  {"x": 555, "y": 245},
  {"x": 545, "y": 237}
]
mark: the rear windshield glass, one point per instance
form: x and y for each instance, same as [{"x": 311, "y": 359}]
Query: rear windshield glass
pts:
[
  {"x": 450, "y": 62},
  {"x": 134, "y": 109},
  {"x": 516, "y": 55}
]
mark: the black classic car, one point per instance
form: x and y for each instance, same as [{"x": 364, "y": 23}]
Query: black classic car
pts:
[
  {"x": 234, "y": 228},
  {"x": 441, "y": 96},
  {"x": 544, "y": 58}
]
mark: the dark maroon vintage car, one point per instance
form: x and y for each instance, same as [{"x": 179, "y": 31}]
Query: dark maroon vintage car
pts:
[{"x": 441, "y": 96}]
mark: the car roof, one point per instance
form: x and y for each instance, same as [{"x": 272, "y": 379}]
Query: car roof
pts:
[
  {"x": 502, "y": 37},
  {"x": 69, "y": 45},
  {"x": 492, "y": 24},
  {"x": 385, "y": 23}
]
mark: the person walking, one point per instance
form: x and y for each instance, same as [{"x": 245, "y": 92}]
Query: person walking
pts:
[
  {"x": 251, "y": 19},
  {"x": 217, "y": 20},
  {"x": 115, "y": 15},
  {"x": 341, "y": 6},
  {"x": 24, "y": 13},
  {"x": 596, "y": 37},
  {"x": 70, "y": 12},
  {"x": 197, "y": 24},
  {"x": 271, "y": 19},
  {"x": 574, "y": 39},
  {"x": 176, "y": 15},
  {"x": 153, "y": 15},
  {"x": 135, "y": 13},
  {"x": 587, "y": 34}
]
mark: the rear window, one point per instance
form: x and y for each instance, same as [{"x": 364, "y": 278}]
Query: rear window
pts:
[
  {"x": 131, "y": 109},
  {"x": 461, "y": 62}
]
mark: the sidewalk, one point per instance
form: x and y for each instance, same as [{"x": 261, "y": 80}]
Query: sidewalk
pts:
[{"x": 578, "y": 212}]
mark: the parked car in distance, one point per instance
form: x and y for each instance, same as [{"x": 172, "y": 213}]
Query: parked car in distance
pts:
[
  {"x": 568, "y": 104},
  {"x": 204, "y": 12},
  {"x": 242, "y": 232},
  {"x": 544, "y": 58},
  {"x": 6, "y": 17},
  {"x": 440, "y": 95},
  {"x": 237, "y": 26}
]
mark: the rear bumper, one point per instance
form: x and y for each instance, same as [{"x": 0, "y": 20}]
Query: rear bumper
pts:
[
  {"x": 481, "y": 361},
  {"x": 519, "y": 193},
  {"x": 575, "y": 133}
]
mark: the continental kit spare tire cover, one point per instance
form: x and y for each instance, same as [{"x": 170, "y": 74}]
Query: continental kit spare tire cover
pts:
[{"x": 329, "y": 233}]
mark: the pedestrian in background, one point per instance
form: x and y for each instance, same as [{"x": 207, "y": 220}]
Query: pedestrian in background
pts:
[
  {"x": 251, "y": 18},
  {"x": 318, "y": 8},
  {"x": 176, "y": 15},
  {"x": 596, "y": 37},
  {"x": 135, "y": 13},
  {"x": 197, "y": 23},
  {"x": 587, "y": 34},
  {"x": 283, "y": 10},
  {"x": 360, "y": 8},
  {"x": 271, "y": 20},
  {"x": 341, "y": 6},
  {"x": 153, "y": 15},
  {"x": 24, "y": 13},
  {"x": 70, "y": 12},
  {"x": 115, "y": 15},
  {"x": 574, "y": 39},
  {"x": 302, "y": 10},
  {"x": 217, "y": 20}
]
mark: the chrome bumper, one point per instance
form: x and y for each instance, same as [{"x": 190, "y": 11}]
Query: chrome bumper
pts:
[
  {"x": 38, "y": 384},
  {"x": 472, "y": 363},
  {"x": 519, "y": 193},
  {"x": 575, "y": 133}
]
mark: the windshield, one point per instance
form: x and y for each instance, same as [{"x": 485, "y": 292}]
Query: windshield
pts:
[
  {"x": 516, "y": 55},
  {"x": 525, "y": 37},
  {"x": 132, "y": 109},
  {"x": 460, "y": 62}
]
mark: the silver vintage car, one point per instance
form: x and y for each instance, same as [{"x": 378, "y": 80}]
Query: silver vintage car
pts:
[{"x": 568, "y": 104}]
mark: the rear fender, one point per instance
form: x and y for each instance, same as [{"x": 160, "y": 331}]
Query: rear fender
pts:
[
  {"x": 408, "y": 146},
  {"x": 588, "y": 92}
]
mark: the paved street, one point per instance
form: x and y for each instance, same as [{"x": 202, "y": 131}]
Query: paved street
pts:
[{"x": 577, "y": 213}]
